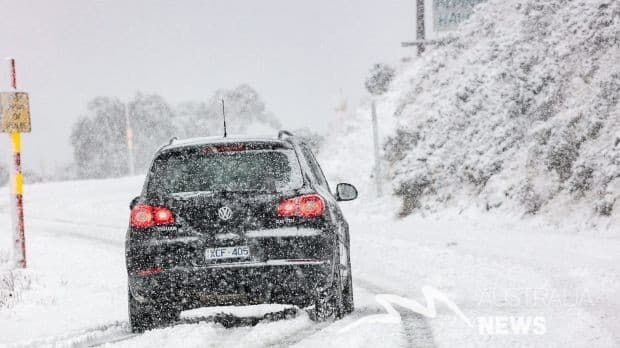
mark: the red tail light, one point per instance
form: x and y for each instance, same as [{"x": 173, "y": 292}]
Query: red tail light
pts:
[
  {"x": 145, "y": 216},
  {"x": 149, "y": 271},
  {"x": 163, "y": 216},
  {"x": 311, "y": 206},
  {"x": 307, "y": 206}
]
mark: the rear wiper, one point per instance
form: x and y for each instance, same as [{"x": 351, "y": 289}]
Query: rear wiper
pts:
[
  {"x": 245, "y": 191},
  {"x": 190, "y": 194}
]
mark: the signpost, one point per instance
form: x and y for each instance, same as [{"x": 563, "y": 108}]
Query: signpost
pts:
[
  {"x": 377, "y": 83},
  {"x": 420, "y": 31},
  {"x": 15, "y": 112}
]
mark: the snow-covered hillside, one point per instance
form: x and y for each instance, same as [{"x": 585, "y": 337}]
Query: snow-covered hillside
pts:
[{"x": 519, "y": 113}]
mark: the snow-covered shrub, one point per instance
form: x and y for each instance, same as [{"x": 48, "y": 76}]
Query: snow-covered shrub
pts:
[
  {"x": 12, "y": 284},
  {"x": 412, "y": 191},
  {"x": 396, "y": 147},
  {"x": 530, "y": 199}
]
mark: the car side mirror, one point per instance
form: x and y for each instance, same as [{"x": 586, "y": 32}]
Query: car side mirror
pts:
[
  {"x": 134, "y": 202},
  {"x": 345, "y": 192}
]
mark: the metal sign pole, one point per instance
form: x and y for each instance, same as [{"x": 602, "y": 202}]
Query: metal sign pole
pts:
[
  {"x": 18, "y": 189},
  {"x": 129, "y": 134},
  {"x": 375, "y": 136}
]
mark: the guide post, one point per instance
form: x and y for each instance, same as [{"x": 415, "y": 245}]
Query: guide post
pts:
[{"x": 15, "y": 111}]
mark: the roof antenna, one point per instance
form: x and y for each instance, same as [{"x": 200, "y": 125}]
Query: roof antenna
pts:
[{"x": 224, "y": 116}]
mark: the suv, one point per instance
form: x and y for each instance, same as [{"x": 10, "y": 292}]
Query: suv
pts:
[{"x": 235, "y": 221}]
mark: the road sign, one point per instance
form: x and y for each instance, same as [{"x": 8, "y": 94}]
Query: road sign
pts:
[
  {"x": 447, "y": 14},
  {"x": 15, "y": 112}
]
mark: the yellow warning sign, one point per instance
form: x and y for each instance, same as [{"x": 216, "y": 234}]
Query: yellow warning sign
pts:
[{"x": 15, "y": 112}]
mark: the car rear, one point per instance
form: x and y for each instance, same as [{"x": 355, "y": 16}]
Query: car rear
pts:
[{"x": 229, "y": 223}]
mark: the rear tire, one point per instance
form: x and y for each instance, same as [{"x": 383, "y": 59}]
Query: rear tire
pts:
[
  {"x": 347, "y": 293},
  {"x": 150, "y": 315},
  {"x": 329, "y": 303},
  {"x": 348, "y": 302}
]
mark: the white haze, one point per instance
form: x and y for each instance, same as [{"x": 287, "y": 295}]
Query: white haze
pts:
[{"x": 297, "y": 55}]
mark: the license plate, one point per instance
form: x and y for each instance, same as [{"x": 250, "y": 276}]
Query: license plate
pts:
[{"x": 227, "y": 252}]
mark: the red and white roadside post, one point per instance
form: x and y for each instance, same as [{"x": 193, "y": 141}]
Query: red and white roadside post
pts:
[{"x": 16, "y": 119}]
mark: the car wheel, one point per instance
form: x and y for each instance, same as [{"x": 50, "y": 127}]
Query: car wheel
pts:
[
  {"x": 347, "y": 293},
  {"x": 329, "y": 303},
  {"x": 147, "y": 316}
]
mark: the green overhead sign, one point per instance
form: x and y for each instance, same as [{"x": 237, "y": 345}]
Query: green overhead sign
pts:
[{"x": 447, "y": 14}]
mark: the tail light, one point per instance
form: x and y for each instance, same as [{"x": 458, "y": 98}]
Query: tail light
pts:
[
  {"x": 307, "y": 206},
  {"x": 149, "y": 271},
  {"x": 145, "y": 216}
]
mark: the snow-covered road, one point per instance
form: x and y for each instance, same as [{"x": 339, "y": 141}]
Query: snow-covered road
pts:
[{"x": 492, "y": 267}]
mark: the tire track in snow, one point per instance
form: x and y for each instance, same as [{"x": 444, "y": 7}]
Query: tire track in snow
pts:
[
  {"x": 99, "y": 335},
  {"x": 315, "y": 328},
  {"x": 416, "y": 328},
  {"x": 101, "y": 342},
  {"x": 301, "y": 335},
  {"x": 72, "y": 234}
]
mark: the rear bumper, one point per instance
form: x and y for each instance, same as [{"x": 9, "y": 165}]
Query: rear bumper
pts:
[{"x": 285, "y": 281}]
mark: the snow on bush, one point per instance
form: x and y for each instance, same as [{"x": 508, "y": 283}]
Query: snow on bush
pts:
[
  {"x": 522, "y": 107},
  {"x": 12, "y": 285}
]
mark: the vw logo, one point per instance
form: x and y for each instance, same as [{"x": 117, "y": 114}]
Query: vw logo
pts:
[{"x": 225, "y": 213}]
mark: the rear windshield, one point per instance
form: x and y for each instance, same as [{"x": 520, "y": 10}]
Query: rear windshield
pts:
[{"x": 196, "y": 170}]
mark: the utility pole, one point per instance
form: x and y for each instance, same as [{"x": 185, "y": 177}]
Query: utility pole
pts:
[
  {"x": 420, "y": 33},
  {"x": 129, "y": 133}
]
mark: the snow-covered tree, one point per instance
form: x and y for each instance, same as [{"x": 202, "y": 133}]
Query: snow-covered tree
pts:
[
  {"x": 245, "y": 114},
  {"x": 99, "y": 138},
  {"x": 153, "y": 124}
]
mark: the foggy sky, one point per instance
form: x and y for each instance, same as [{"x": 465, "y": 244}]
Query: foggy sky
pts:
[{"x": 297, "y": 54}]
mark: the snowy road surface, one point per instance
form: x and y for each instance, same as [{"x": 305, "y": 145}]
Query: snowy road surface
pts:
[{"x": 496, "y": 269}]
